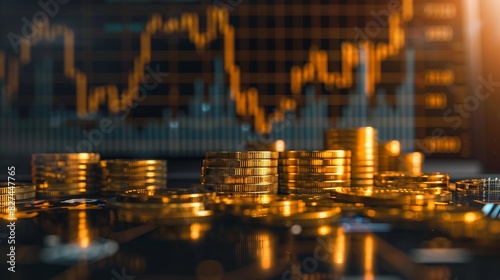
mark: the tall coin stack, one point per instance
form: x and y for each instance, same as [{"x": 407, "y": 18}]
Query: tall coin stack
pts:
[
  {"x": 120, "y": 175},
  {"x": 411, "y": 163},
  {"x": 65, "y": 175},
  {"x": 388, "y": 156},
  {"x": 363, "y": 144},
  {"x": 250, "y": 172},
  {"x": 309, "y": 172}
]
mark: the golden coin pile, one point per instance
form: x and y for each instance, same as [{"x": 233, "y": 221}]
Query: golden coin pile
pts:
[
  {"x": 309, "y": 172},
  {"x": 15, "y": 193},
  {"x": 388, "y": 156},
  {"x": 250, "y": 172},
  {"x": 163, "y": 206},
  {"x": 362, "y": 142},
  {"x": 119, "y": 175},
  {"x": 64, "y": 175},
  {"x": 411, "y": 163}
]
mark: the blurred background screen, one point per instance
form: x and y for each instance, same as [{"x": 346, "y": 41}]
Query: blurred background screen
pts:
[{"x": 176, "y": 78}]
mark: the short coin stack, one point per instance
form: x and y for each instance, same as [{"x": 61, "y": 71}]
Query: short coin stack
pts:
[
  {"x": 362, "y": 142},
  {"x": 14, "y": 193},
  {"x": 388, "y": 156},
  {"x": 65, "y": 175},
  {"x": 163, "y": 206},
  {"x": 250, "y": 172},
  {"x": 411, "y": 163},
  {"x": 120, "y": 175},
  {"x": 309, "y": 172}
]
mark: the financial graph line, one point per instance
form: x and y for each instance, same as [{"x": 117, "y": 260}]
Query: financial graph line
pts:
[{"x": 246, "y": 101}]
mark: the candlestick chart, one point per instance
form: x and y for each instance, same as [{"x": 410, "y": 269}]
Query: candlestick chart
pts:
[{"x": 177, "y": 78}]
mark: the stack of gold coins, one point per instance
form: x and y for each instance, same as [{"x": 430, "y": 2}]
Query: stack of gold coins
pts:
[
  {"x": 65, "y": 175},
  {"x": 14, "y": 193},
  {"x": 388, "y": 156},
  {"x": 362, "y": 142},
  {"x": 411, "y": 163},
  {"x": 250, "y": 172},
  {"x": 125, "y": 174},
  {"x": 309, "y": 172}
]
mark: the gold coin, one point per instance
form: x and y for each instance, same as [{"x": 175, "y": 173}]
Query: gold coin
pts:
[
  {"x": 314, "y": 169},
  {"x": 65, "y": 167},
  {"x": 165, "y": 195},
  {"x": 80, "y": 157},
  {"x": 143, "y": 181},
  {"x": 254, "y": 163},
  {"x": 145, "y": 175},
  {"x": 364, "y": 161},
  {"x": 136, "y": 173},
  {"x": 309, "y": 184},
  {"x": 307, "y": 216},
  {"x": 17, "y": 187},
  {"x": 5, "y": 198},
  {"x": 362, "y": 179},
  {"x": 311, "y": 191},
  {"x": 242, "y": 155},
  {"x": 50, "y": 175},
  {"x": 134, "y": 168},
  {"x": 62, "y": 182},
  {"x": 233, "y": 171},
  {"x": 81, "y": 185},
  {"x": 267, "y": 179},
  {"x": 134, "y": 162},
  {"x": 133, "y": 186},
  {"x": 241, "y": 188},
  {"x": 325, "y": 154},
  {"x": 379, "y": 196},
  {"x": 314, "y": 176},
  {"x": 363, "y": 169},
  {"x": 137, "y": 185},
  {"x": 64, "y": 174},
  {"x": 64, "y": 193},
  {"x": 352, "y": 142},
  {"x": 358, "y": 130},
  {"x": 316, "y": 161}
]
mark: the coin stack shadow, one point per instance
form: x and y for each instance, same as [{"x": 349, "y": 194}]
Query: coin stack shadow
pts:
[
  {"x": 388, "y": 156},
  {"x": 362, "y": 142},
  {"x": 310, "y": 172},
  {"x": 119, "y": 175},
  {"x": 249, "y": 172},
  {"x": 65, "y": 175},
  {"x": 19, "y": 193}
]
